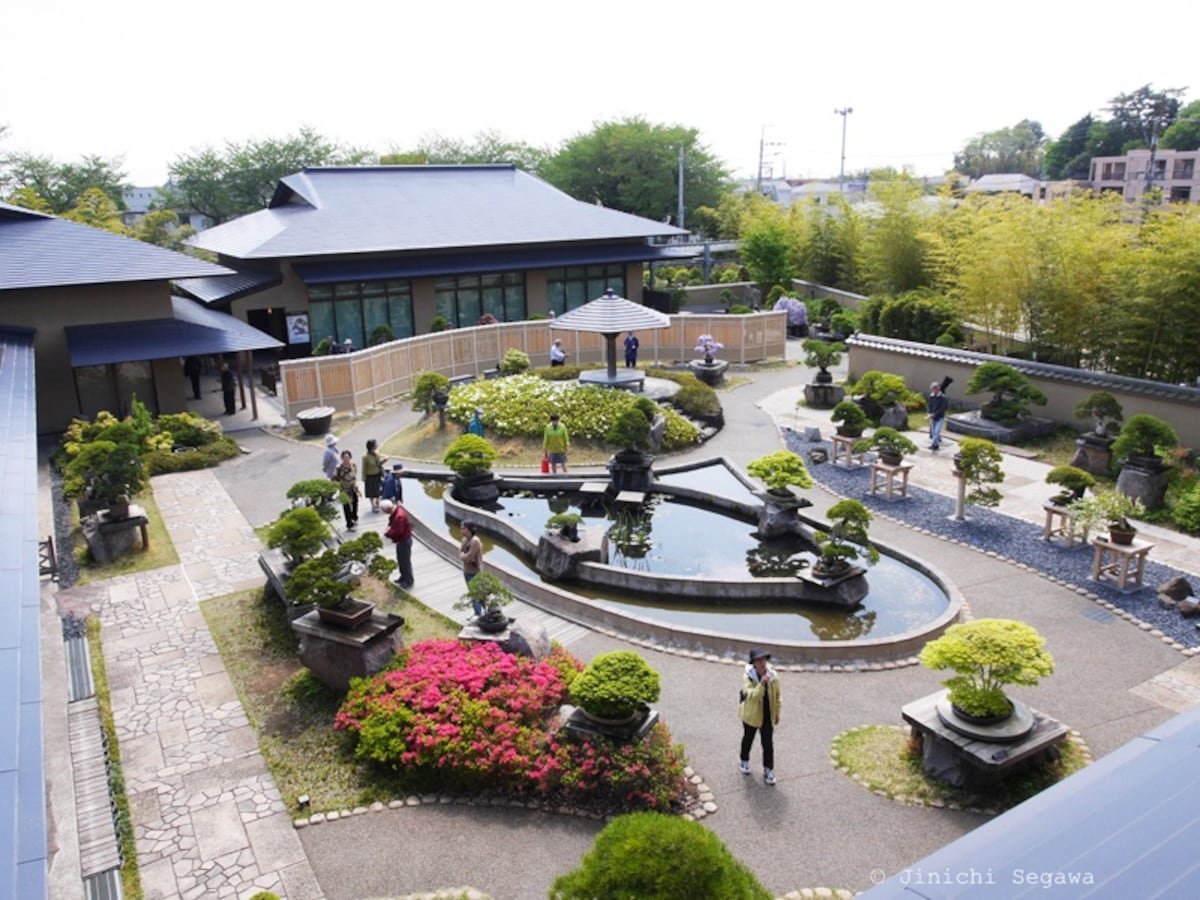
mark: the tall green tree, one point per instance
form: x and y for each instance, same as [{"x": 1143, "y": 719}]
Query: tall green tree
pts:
[
  {"x": 161, "y": 227},
  {"x": 62, "y": 185},
  {"x": 1184, "y": 132},
  {"x": 1071, "y": 155},
  {"x": 1144, "y": 114},
  {"x": 485, "y": 147},
  {"x": 632, "y": 165},
  {"x": 1015, "y": 149},
  {"x": 240, "y": 179},
  {"x": 95, "y": 208},
  {"x": 894, "y": 251}
]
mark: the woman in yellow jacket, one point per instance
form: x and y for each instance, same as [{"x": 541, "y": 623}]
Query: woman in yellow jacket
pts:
[{"x": 759, "y": 710}]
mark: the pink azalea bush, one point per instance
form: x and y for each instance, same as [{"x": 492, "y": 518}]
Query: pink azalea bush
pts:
[{"x": 471, "y": 717}]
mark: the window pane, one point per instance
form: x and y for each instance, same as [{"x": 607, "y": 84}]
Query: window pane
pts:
[
  {"x": 469, "y": 307},
  {"x": 320, "y": 321},
  {"x": 349, "y": 321},
  {"x": 514, "y": 303},
  {"x": 136, "y": 378},
  {"x": 493, "y": 302},
  {"x": 94, "y": 385},
  {"x": 400, "y": 308},
  {"x": 375, "y": 312},
  {"x": 556, "y": 297},
  {"x": 576, "y": 294},
  {"x": 319, "y": 292},
  {"x": 443, "y": 304}
]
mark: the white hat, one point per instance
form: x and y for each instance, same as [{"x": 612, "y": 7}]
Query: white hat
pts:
[
  {"x": 330, "y": 440},
  {"x": 387, "y": 505}
]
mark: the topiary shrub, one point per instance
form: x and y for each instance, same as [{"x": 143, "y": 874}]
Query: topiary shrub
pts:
[
  {"x": 1011, "y": 392},
  {"x": 615, "y": 685},
  {"x": 429, "y": 384},
  {"x": 514, "y": 362},
  {"x": 1143, "y": 436},
  {"x": 1186, "y": 508},
  {"x": 658, "y": 857},
  {"x": 470, "y": 455},
  {"x": 849, "y": 418},
  {"x": 846, "y": 540},
  {"x": 299, "y": 533},
  {"x": 979, "y": 461},
  {"x": 987, "y": 654},
  {"x": 381, "y": 334},
  {"x": 439, "y": 323},
  {"x": 630, "y": 431},
  {"x": 781, "y": 470}
]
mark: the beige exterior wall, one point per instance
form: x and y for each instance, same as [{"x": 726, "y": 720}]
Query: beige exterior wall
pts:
[
  {"x": 50, "y": 310},
  {"x": 1180, "y": 170}
]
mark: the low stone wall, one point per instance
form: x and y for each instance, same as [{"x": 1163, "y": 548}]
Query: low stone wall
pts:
[{"x": 922, "y": 364}]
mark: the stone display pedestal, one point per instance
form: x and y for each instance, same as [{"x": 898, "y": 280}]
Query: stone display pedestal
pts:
[
  {"x": 1092, "y": 454},
  {"x": 972, "y": 424},
  {"x": 780, "y": 514},
  {"x": 580, "y": 725},
  {"x": 335, "y": 655},
  {"x": 823, "y": 396},
  {"x": 557, "y": 557},
  {"x": 711, "y": 373},
  {"x": 845, "y": 590},
  {"x": 107, "y": 538}
]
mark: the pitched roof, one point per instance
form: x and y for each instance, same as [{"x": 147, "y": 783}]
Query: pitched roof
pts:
[
  {"x": 37, "y": 250},
  {"x": 609, "y": 314},
  {"x": 381, "y": 209}
]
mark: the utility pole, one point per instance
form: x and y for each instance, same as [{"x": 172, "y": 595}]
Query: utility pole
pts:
[
  {"x": 680, "y": 185},
  {"x": 763, "y": 144},
  {"x": 844, "y": 112}
]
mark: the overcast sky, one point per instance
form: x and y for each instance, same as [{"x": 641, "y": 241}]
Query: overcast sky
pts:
[{"x": 149, "y": 81}]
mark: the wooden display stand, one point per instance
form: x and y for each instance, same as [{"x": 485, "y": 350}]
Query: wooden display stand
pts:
[
  {"x": 844, "y": 446},
  {"x": 1116, "y": 560},
  {"x": 892, "y": 480},
  {"x": 1060, "y": 523}
]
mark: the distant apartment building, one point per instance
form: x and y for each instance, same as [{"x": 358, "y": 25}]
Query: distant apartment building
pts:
[
  {"x": 1175, "y": 173},
  {"x": 141, "y": 200}
]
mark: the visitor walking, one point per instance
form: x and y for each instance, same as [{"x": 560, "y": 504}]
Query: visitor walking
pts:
[
  {"x": 558, "y": 356},
  {"x": 347, "y": 478},
  {"x": 331, "y": 459},
  {"x": 470, "y": 553},
  {"x": 393, "y": 484},
  {"x": 556, "y": 442},
  {"x": 475, "y": 426},
  {"x": 400, "y": 531},
  {"x": 372, "y": 472},
  {"x": 759, "y": 711},
  {"x": 192, "y": 367},
  {"x": 631, "y": 350},
  {"x": 228, "y": 388},
  {"x": 937, "y": 405}
]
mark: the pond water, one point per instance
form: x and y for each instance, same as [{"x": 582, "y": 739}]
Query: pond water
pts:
[{"x": 672, "y": 537}]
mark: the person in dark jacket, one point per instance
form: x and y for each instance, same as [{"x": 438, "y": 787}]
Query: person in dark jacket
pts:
[
  {"x": 937, "y": 404},
  {"x": 400, "y": 531},
  {"x": 228, "y": 389}
]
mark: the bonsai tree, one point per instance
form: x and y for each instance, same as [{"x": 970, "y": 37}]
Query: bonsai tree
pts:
[
  {"x": 986, "y": 655},
  {"x": 567, "y": 524},
  {"x": 846, "y": 539},
  {"x": 1011, "y": 392},
  {"x": 489, "y": 592},
  {"x": 317, "y": 493},
  {"x": 887, "y": 442},
  {"x": 1104, "y": 411},
  {"x": 299, "y": 533},
  {"x": 615, "y": 685},
  {"x": 1110, "y": 508},
  {"x": 850, "y": 418},
  {"x": 1142, "y": 437},
  {"x": 106, "y": 473},
  {"x": 979, "y": 462},
  {"x": 884, "y": 389},
  {"x": 649, "y": 854},
  {"x": 381, "y": 334},
  {"x": 630, "y": 430},
  {"x": 470, "y": 455},
  {"x": 428, "y": 386},
  {"x": 781, "y": 470},
  {"x": 514, "y": 362},
  {"x": 1074, "y": 482},
  {"x": 821, "y": 355},
  {"x": 329, "y": 579}
]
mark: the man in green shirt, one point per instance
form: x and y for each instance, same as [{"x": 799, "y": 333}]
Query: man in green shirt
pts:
[{"x": 556, "y": 442}]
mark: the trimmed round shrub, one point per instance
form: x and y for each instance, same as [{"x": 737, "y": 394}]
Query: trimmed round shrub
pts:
[
  {"x": 652, "y": 856},
  {"x": 615, "y": 685},
  {"x": 514, "y": 362},
  {"x": 428, "y": 384},
  {"x": 470, "y": 455}
]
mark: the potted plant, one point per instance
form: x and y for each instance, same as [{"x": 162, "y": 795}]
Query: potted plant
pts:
[
  {"x": 430, "y": 389},
  {"x": 850, "y": 419},
  {"x": 299, "y": 533},
  {"x": 631, "y": 429},
  {"x": 1105, "y": 412},
  {"x": 1141, "y": 439},
  {"x": 821, "y": 355},
  {"x": 986, "y": 655},
  {"x": 328, "y": 581},
  {"x": 708, "y": 370},
  {"x": 707, "y": 345},
  {"x": 1073, "y": 481},
  {"x": 845, "y": 541},
  {"x": 1112, "y": 509},
  {"x": 489, "y": 592},
  {"x": 1011, "y": 392},
  {"x": 780, "y": 471},
  {"x": 978, "y": 462},
  {"x": 318, "y": 493},
  {"x": 886, "y": 399},
  {"x": 566, "y": 523},
  {"x": 616, "y": 687},
  {"x": 889, "y": 443},
  {"x": 107, "y": 474}
]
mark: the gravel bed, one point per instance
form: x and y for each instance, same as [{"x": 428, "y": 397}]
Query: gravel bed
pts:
[{"x": 1003, "y": 535}]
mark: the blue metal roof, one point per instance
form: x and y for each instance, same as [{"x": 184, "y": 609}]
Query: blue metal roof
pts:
[
  {"x": 23, "y": 847},
  {"x": 1126, "y": 826},
  {"x": 227, "y": 288},
  {"x": 42, "y": 251},
  {"x": 192, "y": 330},
  {"x": 516, "y": 258},
  {"x": 385, "y": 209}
]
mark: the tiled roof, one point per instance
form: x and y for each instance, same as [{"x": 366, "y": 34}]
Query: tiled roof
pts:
[
  {"x": 610, "y": 314},
  {"x": 227, "y": 288},
  {"x": 192, "y": 330},
  {"x": 337, "y": 211},
  {"x": 43, "y": 251}
]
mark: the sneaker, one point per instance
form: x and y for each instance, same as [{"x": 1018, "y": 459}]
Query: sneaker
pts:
[
  {"x": 744, "y": 766},
  {"x": 351, "y": 527},
  {"x": 769, "y": 776}
]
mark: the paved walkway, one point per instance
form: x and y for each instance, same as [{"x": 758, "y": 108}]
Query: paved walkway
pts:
[{"x": 210, "y": 822}]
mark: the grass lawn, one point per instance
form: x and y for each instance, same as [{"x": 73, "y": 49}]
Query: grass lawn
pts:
[
  {"x": 161, "y": 552},
  {"x": 289, "y": 709}
]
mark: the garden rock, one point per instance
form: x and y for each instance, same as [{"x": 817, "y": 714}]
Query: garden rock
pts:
[
  {"x": 1190, "y": 607},
  {"x": 812, "y": 435},
  {"x": 1165, "y": 601},
  {"x": 1177, "y": 588},
  {"x": 894, "y": 417},
  {"x": 526, "y": 638}
]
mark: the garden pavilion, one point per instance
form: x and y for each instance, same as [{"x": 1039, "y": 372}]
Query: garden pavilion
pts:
[{"x": 609, "y": 315}]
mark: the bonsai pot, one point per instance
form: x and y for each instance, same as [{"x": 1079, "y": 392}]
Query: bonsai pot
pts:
[
  {"x": 891, "y": 459},
  {"x": 493, "y": 621},
  {"x": 823, "y": 377},
  {"x": 1121, "y": 536},
  {"x": 986, "y": 719},
  {"x": 315, "y": 420},
  {"x": 351, "y": 615},
  {"x": 848, "y": 431}
]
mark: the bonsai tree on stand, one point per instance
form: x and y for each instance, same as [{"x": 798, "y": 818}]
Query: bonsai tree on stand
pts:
[
  {"x": 1074, "y": 483},
  {"x": 1093, "y": 453},
  {"x": 616, "y": 686},
  {"x": 1011, "y": 392},
  {"x": 780, "y": 472},
  {"x": 986, "y": 655},
  {"x": 470, "y": 458},
  {"x": 493, "y": 595},
  {"x": 890, "y": 444},
  {"x": 1144, "y": 475},
  {"x": 851, "y": 421},
  {"x": 845, "y": 541},
  {"x": 977, "y": 465},
  {"x": 631, "y": 466}
]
